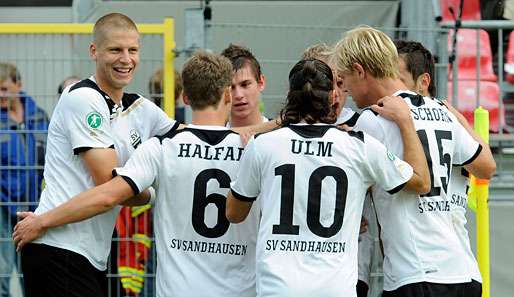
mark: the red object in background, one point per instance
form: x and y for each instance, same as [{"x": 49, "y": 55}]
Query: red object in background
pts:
[
  {"x": 509, "y": 65},
  {"x": 135, "y": 231},
  {"x": 467, "y": 53},
  {"x": 489, "y": 99},
  {"x": 470, "y": 11}
]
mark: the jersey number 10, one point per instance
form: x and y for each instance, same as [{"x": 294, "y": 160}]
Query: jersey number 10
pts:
[{"x": 286, "y": 226}]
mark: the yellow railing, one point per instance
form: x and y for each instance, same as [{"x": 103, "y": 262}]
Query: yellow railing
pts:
[
  {"x": 478, "y": 201},
  {"x": 166, "y": 29}
]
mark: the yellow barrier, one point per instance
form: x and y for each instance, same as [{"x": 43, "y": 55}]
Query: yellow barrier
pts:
[
  {"x": 479, "y": 196},
  {"x": 167, "y": 29}
]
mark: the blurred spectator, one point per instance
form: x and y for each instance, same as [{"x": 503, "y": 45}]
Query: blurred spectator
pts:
[
  {"x": 155, "y": 88},
  {"x": 66, "y": 82},
  {"x": 497, "y": 10},
  {"x": 23, "y": 130}
]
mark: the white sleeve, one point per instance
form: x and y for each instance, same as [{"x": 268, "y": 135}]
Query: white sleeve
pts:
[
  {"x": 385, "y": 168},
  {"x": 467, "y": 149},
  {"x": 246, "y": 187},
  {"x": 367, "y": 122},
  {"x": 142, "y": 167},
  {"x": 87, "y": 120},
  {"x": 162, "y": 124}
]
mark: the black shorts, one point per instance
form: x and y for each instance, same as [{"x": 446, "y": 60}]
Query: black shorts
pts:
[
  {"x": 51, "y": 271},
  {"x": 424, "y": 289},
  {"x": 362, "y": 289}
]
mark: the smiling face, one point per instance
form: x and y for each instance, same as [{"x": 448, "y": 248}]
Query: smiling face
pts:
[
  {"x": 116, "y": 57},
  {"x": 246, "y": 91}
]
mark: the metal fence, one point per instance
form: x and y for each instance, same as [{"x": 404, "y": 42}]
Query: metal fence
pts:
[
  {"x": 45, "y": 59},
  {"x": 45, "y": 54}
]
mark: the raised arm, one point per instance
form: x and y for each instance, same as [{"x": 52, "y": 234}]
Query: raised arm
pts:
[{"x": 397, "y": 110}]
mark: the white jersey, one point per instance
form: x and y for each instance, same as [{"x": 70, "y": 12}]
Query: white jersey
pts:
[
  {"x": 85, "y": 117},
  {"x": 347, "y": 117},
  {"x": 419, "y": 242},
  {"x": 458, "y": 195},
  {"x": 199, "y": 253},
  {"x": 311, "y": 181}
]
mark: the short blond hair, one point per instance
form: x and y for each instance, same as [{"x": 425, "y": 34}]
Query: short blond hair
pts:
[
  {"x": 369, "y": 47},
  {"x": 111, "y": 21},
  {"x": 318, "y": 51},
  {"x": 9, "y": 71}
]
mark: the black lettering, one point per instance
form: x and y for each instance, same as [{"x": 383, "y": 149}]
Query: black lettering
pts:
[
  {"x": 229, "y": 154},
  {"x": 293, "y": 146},
  {"x": 325, "y": 149},
  {"x": 240, "y": 150},
  {"x": 429, "y": 114},
  {"x": 308, "y": 147},
  {"x": 207, "y": 155},
  {"x": 198, "y": 151},
  {"x": 184, "y": 150},
  {"x": 217, "y": 152},
  {"x": 415, "y": 115},
  {"x": 437, "y": 114}
]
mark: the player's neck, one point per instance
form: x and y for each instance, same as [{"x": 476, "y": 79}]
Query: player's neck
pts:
[
  {"x": 386, "y": 87},
  {"x": 209, "y": 117},
  {"x": 252, "y": 119},
  {"x": 114, "y": 93}
]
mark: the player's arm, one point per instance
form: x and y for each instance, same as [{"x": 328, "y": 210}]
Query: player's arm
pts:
[
  {"x": 397, "y": 110},
  {"x": 139, "y": 173},
  {"x": 237, "y": 210},
  {"x": 100, "y": 162},
  {"x": 484, "y": 165},
  {"x": 245, "y": 189},
  {"x": 83, "y": 206}
]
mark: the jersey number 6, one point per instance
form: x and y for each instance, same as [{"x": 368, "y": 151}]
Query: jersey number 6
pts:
[{"x": 201, "y": 200}]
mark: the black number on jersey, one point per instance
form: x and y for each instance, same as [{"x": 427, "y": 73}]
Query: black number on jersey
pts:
[
  {"x": 287, "y": 172},
  {"x": 200, "y": 202},
  {"x": 444, "y": 159}
]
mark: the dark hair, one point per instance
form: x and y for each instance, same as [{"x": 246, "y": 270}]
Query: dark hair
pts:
[
  {"x": 418, "y": 60},
  {"x": 310, "y": 84},
  {"x": 241, "y": 56}
]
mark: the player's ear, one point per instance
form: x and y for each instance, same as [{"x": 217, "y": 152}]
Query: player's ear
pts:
[
  {"x": 185, "y": 98},
  {"x": 423, "y": 82},
  {"x": 359, "y": 70},
  {"x": 227, "y": 95},
  {"x": 262, "y": 82},
  {"x": 92, "y": 51}
]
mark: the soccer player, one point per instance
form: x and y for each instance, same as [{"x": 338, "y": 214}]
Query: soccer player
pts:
[
  {"x": 417, "y": 72},
  {"x": 248, "y": 83},
  {"x": 198, "y": 251},
  {"x": 94, "y": 128},
  {"x": 345, "y": 115},
  {"x": 422, "y": 253},
  {"x": 311, "y": 179}
]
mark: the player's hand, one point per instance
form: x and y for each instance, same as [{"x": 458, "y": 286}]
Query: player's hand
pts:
[
  {"x": 393, "y": 108},
  {"x": 26, "y": 230},
  {"x": 345, "y": 127}
]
